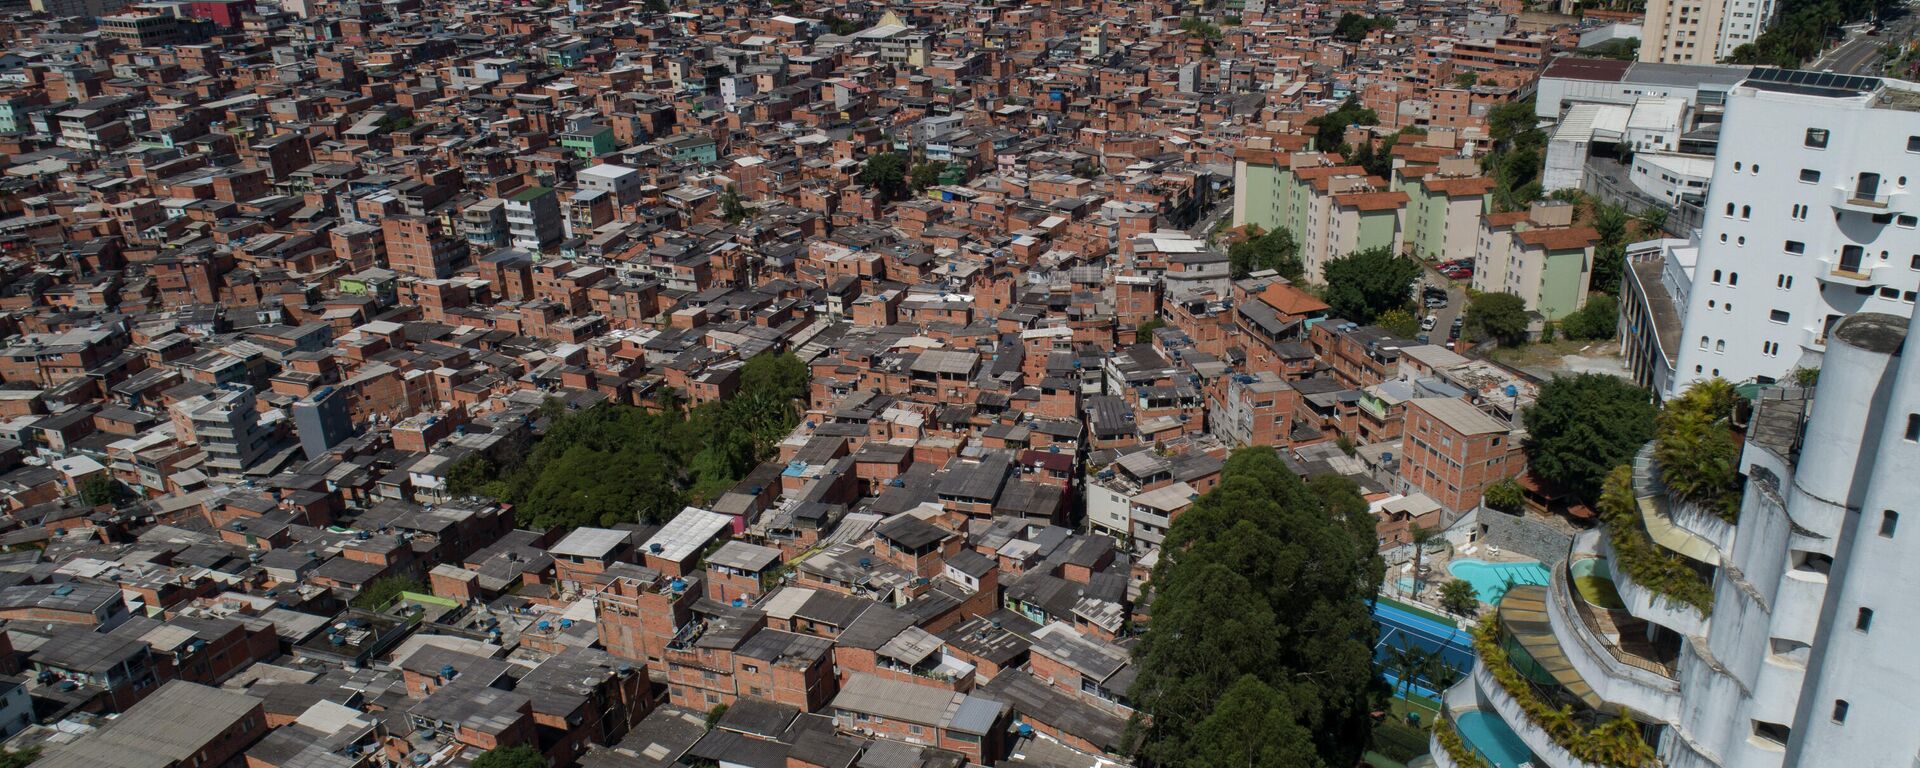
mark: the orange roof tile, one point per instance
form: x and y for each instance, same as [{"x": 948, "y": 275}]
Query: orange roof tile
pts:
[
  {"x": 1559, "y": 238},
  {"x": 1505, "y": 219},
  {"x": 1289, "y": 300},
  {"x": 1461, "y": 185},
  {"x": 1372, "y": 201}
]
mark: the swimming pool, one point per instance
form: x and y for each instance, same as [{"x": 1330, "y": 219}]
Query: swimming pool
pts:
[
  {"x": 1490, "y": 580},
  {"x": 1484, "y": 733}
]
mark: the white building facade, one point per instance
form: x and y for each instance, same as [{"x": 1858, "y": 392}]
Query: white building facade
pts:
[
  {"x": 1813, "y": 213},
  {"x": 1803, "y": 656}
]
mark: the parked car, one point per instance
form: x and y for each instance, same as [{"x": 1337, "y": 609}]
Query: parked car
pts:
[{"x": 1428, "y": 323}]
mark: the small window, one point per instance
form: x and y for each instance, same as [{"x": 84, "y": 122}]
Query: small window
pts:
[
  {"x": 1839, "y": 711},
  {"x": 1863, "y": 621},
  {"x": 1889, "y": 293},
  {"x": 1913, "y": 421},
  {"x": 1913, "y": 143},
  {"x": 1779, "y": 316},
  {"x": 1746, "y": 212},
  {"x": 1809, "y": 175},
  {"x": 1733, "y": 278},
  {"x": 1889, "y": 521},
  {"x": 1771, "y": 732},
  {"x": 1907, "y": 221},
  {"x": 1797, "y": 247},
  {"x": 1817, "y": 138}
]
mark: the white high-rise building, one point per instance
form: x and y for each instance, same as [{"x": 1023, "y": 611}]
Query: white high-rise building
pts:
[
  {"x": 1813, "y": 214},
  {"x": 1800, "y": 652},
  {"x": 1701, "y": 31}
]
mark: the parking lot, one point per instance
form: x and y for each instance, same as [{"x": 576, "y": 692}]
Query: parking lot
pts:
[{"x": 1456, "y": 294}]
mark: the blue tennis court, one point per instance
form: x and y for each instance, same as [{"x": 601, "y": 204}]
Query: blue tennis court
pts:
[{"x": 1403, "y": 628}]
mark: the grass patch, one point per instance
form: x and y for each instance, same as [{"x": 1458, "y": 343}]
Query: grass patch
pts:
[
  {"x": 1399, "y": 742},
  {"x": 1548, "y": 354},
  {"x": 1418, "y": 611},
  {"x": 1600, "y": 592}
]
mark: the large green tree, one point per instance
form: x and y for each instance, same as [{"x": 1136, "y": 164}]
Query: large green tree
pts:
[
  {"x": 1275, "y": 250},
  {"x": 519, "y": 756},
  {"x": 616, "y": 463},
  {"x": 1365, "y": 284},
  {"x": 1262, "y": 627},
  {"x": 1581, "y": 427},
  {"x": 1330, "y": 129},
  {"x": 1500, "y": 317},
  {"x": 886, "y": 173}
]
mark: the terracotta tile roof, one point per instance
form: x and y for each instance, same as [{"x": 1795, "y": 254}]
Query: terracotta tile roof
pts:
[
  {"x": 1416, "y": 153},
  {"x": 1503, "y": 220},
  {"x": 1559, "y": 238},
  {"x": 1289, "y": 300},
  {"x": 1459, "y": 186},
  {"x": 1372, "y": 201}
]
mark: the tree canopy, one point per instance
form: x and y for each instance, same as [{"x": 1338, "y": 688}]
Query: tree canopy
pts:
[
  {"x": 1276, "y": 250},
  {"x": 885, "y": 173},
  {"x": 617, "y": 463},
  {"x": 1581, "y": 427},
  {"x": 1353, "y": 27},
  {"x": 383, "y": 591},
  {"x": 1599, "y": 319},
  {"x": 1365, "y": 284},
  {"x": 1260, "y": 651},
  {"x": 518, "y": 756},
  {"x": 1802, "y": 28},
  {"x": 1514, "y": 163},
  {"x": 1330, "y": 129},
  {"x": 1500, "y": 317},
  {"x": 103, "y": 489}
]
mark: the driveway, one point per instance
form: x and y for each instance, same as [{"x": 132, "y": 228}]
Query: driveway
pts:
[{"x": 1456, "y": 302}]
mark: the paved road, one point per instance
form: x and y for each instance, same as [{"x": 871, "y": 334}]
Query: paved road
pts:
[
  {"x": 1859, "y": 54},
  {"x": 1205, "y": 225},
  {"x": 1443, "y": 316}
]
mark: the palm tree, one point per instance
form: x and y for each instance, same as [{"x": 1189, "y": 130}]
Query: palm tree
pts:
[
  {"x": 1440, "y": 674},
  {"x": 1407, "y": 661},
  {"x": 1421, "y": 536},
  {"x": 1652, "y": 219}
]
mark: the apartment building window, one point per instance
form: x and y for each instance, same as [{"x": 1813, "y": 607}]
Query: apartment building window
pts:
[
  {"x": 1771, "y": 732},
  {"x": 1799, "y": 212},
  {"x": 1779, "y": 316},
  {"x": 1817, "y": 138},
  {"x": 1913, "y": 143},
  {"x": 1889, "y": 520},
  {"x": 1809, "y": 176},
  {"x": 1796, "y": 247},
  {"x": 1913, "y": 425},
  {"x": 1863, "y": 621},
  {"x": 1908, "y": 222},
  {"x": 1784, "y": 282},
  {"x": 1839, "y": 711}
]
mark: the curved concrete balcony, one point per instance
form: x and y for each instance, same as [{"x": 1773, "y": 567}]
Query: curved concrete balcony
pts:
[
  {"x": 1439, "y": 753},
  {"x": 1608, "y": 649},
  {"x": 1648, "y": 605},
  {"x": 1497, "y": 699},
  {"x": 1675, "y": 524}
]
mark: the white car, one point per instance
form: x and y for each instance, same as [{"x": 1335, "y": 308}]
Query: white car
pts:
[{"x": 1430, "y": 322}]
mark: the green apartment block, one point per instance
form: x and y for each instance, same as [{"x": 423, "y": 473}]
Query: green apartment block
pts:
[
  {"x": 1331, "y": 209},
  {"x": 1444, "y": 206},
  {"x": 1538, "y": 255}
]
